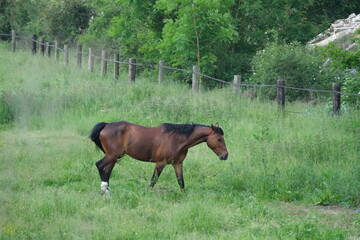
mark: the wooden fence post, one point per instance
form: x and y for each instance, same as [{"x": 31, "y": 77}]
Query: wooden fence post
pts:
[
  {"x": 91, "y": 61},
  {"x": 13, "y": 40},
  {"x": 161, "y": 72},
  {"x": 66, "y": 54},
  {"x": 132, "y": 70},
  {"x": 336, "y": 99},
  {"x": 103, "y": 68},
  {"x": 116, "y": 66},
  {"x": 79, "y": 56},
  {"x": 281, "y": 94},
  {"x": 56, "y": 50},
  {"x": 41, "y": 46},
  {"x": 33, "y": 45},
  {"x": 237, "y": 83},
  {"x": 195, "y": 79},
  {"x": 47, "y": 49}
]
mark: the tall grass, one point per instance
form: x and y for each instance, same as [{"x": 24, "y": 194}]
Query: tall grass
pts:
[{"x": 280, "y": 165}]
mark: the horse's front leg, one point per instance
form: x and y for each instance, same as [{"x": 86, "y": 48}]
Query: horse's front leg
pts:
[
  {"x": 179, "y": 174},
  {"x": 157, "y": 171}
]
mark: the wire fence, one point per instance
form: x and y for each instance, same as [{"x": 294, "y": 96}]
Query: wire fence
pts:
[
  {"x": 174, "y": 68},
  {"x": 195, "y": 71}
]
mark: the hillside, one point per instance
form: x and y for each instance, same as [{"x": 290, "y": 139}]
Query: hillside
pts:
[{"x": 289, "y": 175}]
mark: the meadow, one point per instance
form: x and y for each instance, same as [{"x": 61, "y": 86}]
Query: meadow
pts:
[{"x": 288, "y": 175}]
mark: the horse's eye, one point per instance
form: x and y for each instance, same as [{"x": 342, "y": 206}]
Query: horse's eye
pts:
[{"x": 219, "y": 139}]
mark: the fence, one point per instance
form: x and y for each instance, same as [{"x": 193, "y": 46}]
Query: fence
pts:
[{"x": 45, "y": 49}]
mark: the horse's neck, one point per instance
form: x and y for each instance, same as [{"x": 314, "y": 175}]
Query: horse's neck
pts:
[{"x": 199, "y": 135}]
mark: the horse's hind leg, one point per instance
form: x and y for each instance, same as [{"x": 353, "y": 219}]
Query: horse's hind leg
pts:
[{"x": 105, "y": 167}]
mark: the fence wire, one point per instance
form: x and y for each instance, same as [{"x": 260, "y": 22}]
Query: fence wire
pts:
[{"x": 178, "y": 69}]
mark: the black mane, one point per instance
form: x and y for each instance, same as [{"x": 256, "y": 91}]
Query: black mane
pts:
[{"x": 185, "y": 129}]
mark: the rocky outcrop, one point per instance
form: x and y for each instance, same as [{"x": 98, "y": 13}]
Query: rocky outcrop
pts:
[{"x": 340, "y": 29}]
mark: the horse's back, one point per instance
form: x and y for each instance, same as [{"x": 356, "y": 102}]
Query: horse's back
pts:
[
  {"x": 135, "y": 140},
  {"x": 142, "y": 142}
]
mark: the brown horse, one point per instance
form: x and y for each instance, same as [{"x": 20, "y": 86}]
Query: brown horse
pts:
[{"x": 164, "y": 144}]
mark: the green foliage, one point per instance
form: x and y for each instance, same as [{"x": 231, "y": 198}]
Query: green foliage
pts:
[
  {"x": 258, "y": 19},
  {"x": 4, "y": 21},
  {"x": 65, "y": 20},
  {"x": 195, "y": 32},
  {"x": 20, "y": 15},
  {"x": 97, "y": 34},
  {"x": 351, "y": 85},
  {"x": 347, "y": 63},
  {"x": 340, "y": 58},
  {"x": 324, "y": 12},
  {"x": 293, "y": 63},
  {"x": 135, "y": 28},
  {"x": 62, "y": 20}
]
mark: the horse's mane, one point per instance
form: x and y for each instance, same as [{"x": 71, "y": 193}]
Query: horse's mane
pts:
[{"x": 185, "y": 129}]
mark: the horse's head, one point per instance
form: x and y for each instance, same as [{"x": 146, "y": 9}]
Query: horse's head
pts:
[{"x": 216, "y": 142}]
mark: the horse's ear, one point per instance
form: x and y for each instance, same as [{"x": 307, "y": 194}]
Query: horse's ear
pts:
[{"x": 217, "y": 124}]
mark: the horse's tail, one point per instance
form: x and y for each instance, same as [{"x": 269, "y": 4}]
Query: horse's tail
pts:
[{"x": 95, "y": 133}]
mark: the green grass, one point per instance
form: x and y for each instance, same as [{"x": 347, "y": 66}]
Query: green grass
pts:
[{"x": 291, "y": 176}]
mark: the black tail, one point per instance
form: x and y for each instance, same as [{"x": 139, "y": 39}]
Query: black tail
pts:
[{"x": 95, "y": 133}]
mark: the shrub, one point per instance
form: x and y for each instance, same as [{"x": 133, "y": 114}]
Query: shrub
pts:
[
  {"x": 347, "y": 63},
  {"x": 351, "y": 85},
  {"x": 295, "y": 64}
]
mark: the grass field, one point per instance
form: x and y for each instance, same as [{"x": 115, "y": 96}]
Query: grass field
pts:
[{"x": 288, "y": 176}]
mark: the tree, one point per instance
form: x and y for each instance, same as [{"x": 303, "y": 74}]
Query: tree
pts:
[
  {"x": 55, "y": 19},
  {"x": 4, "y": 21},
  {"x": 196, "y": 32},
  {"x": 324, "y": 12},
  {"x": 137, "y": 28},
  {"x": 20, "y": 15},
  {"x": 65, "y": 20}
]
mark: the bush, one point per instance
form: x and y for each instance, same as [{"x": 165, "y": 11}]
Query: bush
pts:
[
  {"x": 341, "y": 59},
  {"x": 347, "y": 63},
  {"x": 293, "y": 63},
  {"x": 351, "y": 85}
]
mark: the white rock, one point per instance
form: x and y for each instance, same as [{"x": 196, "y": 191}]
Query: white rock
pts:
[{"x": 338, "y": 29}]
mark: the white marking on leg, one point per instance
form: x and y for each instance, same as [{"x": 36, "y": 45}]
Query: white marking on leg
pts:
[{"x": 104, "y": 187}]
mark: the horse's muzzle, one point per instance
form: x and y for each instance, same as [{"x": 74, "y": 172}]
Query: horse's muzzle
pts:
[{"x": 223, "y": 156}]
